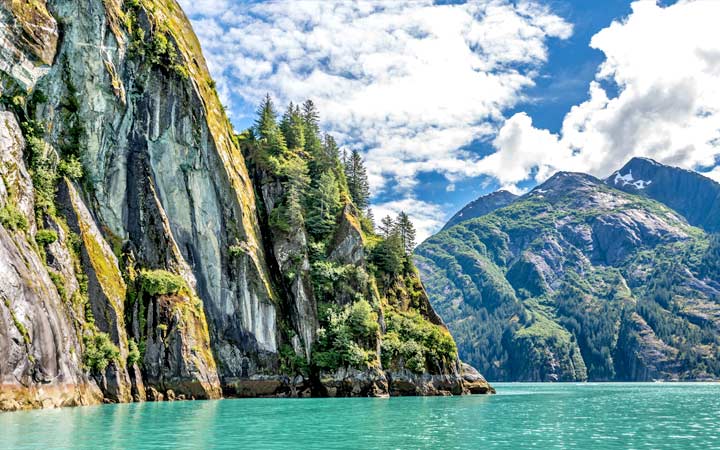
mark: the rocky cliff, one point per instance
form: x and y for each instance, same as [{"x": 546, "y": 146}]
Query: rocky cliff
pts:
[
  {"x": 137, "y": 261},
  {"x": 580, "y": 280}
]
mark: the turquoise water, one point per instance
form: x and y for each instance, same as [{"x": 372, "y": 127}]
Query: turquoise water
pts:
[{"x": 543, "y": 416}]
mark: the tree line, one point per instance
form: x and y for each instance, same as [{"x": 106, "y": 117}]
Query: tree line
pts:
[{"x": 319, "y": 180}]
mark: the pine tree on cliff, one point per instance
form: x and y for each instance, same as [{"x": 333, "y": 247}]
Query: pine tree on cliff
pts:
[
  {"x": 406, "y": 231},
  {"x": 323, "y": 205},
  {"x": 292, "y": 127},
  {"x": 267, "y": 131},
  {"x": 329, "y": 157},
  {"x": 387, "y": 225},
  {"x": 311, "y": 127},
  {"x": 388, "y": 255},
  {"x": 357, "y": 180}
]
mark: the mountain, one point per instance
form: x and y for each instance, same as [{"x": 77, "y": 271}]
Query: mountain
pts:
[
  {"x": 695, "y": 197},
  {"x": 149, "y": 252},
  {"x": 481, "y": 206},
  {"x": 578, "y": 280}
]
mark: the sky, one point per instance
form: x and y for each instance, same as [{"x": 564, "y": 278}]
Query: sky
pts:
[{"x": 450, "y": 100}]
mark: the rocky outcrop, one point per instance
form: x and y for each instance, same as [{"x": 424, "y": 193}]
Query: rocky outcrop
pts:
[
  {"x": 28, "y": 39},
  {"x": 41, "y": 362},
  {"x": 137, "y": 261},
  {"x": 178, "y": 357},
  {"x": 105, "y": 287}
]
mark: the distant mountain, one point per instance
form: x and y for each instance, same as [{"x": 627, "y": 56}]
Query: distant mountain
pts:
[
  {"x": 695, "y": 197},
  {"x": 481, "y": 206},
  {"x": 578, "y": 280}
]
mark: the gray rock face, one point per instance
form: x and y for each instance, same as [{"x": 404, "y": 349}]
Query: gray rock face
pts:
[
  {"x": 40, "y": 364},
  {"x": 178, "y": 356},
  {"x": 150, "y": 147},
  {"x": 28, "y": 40}
]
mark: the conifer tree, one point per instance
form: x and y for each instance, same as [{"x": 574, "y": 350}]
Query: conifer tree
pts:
[
  {"x": 311, "y": 127},
  {"x": 329, "y": 157},
  {"x": 323, "y": 205},
  {"x": 406, "y": 231},
  {"x": 387, "y": 226},
  {"x": 293, "y": 128},
  {"x": 357, "y": 180},
  {"x": 267, "y": 131},
  {"x": 388, "y": 254},
  {"x": 296, "y": 183}
]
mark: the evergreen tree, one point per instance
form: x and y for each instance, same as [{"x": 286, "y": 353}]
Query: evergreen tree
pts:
[
  {"x": 710, "y": 265},
  {"x": 387, "y": 226},
  {"x": 295, "y": 171},
  {"x": 323, "y": 205},
  {"x": 329, "y": 157},
  {"x": 293, "y": 128},
  {"x": 311, "y": 127},
  {"x": 406, "y": 231},
  {"x": 388, "y": 255},
  {"x": 357, "y": 180},
  {"x": 267, "y": 131}
]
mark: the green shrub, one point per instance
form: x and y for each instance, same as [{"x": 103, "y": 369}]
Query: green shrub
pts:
[
  {"x": 59, "y": 283},
  {"x": 99, "y": 351},
  {"x": 12, "y": 219},
  {"x": 236, "y": 251},
  {"x": 161, "y": 282},
  {"x": 416, "y": 340},
  {"x": 290, "y": 362},
  {"x": 348, "y": 338},
  {"x": 46, "y": 237},
  {"x": 133, "y": 352},
  {"x": 71, "y": 167}
]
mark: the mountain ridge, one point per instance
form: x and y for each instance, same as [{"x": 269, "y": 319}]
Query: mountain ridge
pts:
[{"x": 577, "y": 280}]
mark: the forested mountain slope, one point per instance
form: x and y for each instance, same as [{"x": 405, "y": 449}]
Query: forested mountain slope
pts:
[{"x": 577, "y": 280}]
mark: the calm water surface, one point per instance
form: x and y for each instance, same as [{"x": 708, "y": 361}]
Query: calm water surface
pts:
[{"x": 543, "y": 416}]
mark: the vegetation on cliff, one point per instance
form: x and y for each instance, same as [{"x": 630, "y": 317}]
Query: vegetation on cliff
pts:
[{"x": 322, "y": 189}]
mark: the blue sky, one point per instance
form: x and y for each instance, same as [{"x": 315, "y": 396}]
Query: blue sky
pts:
[{"x": 451, "y": 100}]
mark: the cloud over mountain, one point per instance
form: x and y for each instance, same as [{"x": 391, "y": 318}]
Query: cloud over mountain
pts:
[{"x": 664, "y": 63}]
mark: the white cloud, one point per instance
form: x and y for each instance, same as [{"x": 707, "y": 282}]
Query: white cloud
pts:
[
  {"x": 204, "y": 7},
  {"x": 427, "y": 217},
  {"x": 714, "y": 174},
  {"x": 666, "y": 65},
  {"x": 406, "y": 82}
]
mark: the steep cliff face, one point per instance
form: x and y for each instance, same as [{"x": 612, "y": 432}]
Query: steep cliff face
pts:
[
  {"x": 135, "y": 261},
  {"x": 578, "y": 280}
]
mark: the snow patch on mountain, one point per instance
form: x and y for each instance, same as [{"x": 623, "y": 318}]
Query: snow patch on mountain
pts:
[{"x": 628, "y": 179}]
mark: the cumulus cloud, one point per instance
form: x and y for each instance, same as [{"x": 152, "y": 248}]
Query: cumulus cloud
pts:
[
  {"x": 407, "y": 82},
  {"x": 665, "y": 63}
]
